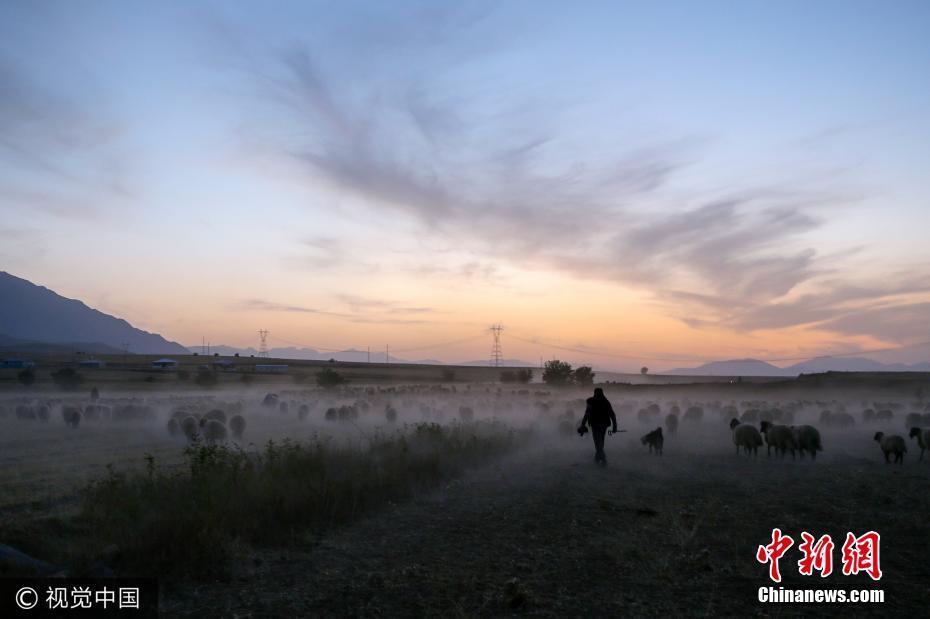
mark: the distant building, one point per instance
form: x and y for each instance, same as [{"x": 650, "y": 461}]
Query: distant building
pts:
[
  {"x": 224, "y": 365},
  {"x": 92, "y": 364},
  {"x": 165, "y": 364},
  {"x": 17, "y": 364},
  {"x": 271, "y": 369}
]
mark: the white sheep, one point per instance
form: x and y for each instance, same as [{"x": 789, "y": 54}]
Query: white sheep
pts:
[
  {"x": 745, "y": 436},
  {"x": 213, "y": 431},
  {"x": 237, "y": 426},
  {"x": 893, "y": 444},
  {"x": 923, "y": 439},
  {"x": 216, "y": 414},
  {"x": 807, "y": 439},
  {"x": 779, "y": 437},
  {"x": 190, "y": 427},
  {"x": 71, "y": 415}
]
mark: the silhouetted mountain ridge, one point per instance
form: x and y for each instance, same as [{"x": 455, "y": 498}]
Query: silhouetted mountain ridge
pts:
[{"x": 35, "y": 314}]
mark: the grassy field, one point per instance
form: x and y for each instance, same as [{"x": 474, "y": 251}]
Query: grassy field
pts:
[{"x": 495, "y": 510}]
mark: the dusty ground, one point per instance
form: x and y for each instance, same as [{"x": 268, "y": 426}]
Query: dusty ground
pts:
[{"x": 548, "y": 533}]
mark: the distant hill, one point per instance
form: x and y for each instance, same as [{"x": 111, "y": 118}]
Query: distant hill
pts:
[
  {"x": 755, "y": 367},
  {"x": 734, "y": 367},
  {"x": 35, "y": 314},
  {"x": 14, "y": 346},
  {"x": 852, "y": 364}
]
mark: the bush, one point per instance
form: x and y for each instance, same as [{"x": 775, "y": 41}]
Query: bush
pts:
[
  {"x": 517, "y": 376},
  {"x": 206, "y": 378},
  {"x": 583, "y": 375},
  {"x": 557, "y": 373},
  {"x": 67, "y": 378},
  {"x": 171, "y": 521},
  {"x": 26, "y": 377},
  {"x": 328, "y": 377}
]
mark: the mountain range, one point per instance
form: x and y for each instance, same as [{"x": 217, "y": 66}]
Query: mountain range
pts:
[
  {"x": 33, "y": 316},
  {"x": 755, "y": 367},
  {"x": 34, "y": 319}
]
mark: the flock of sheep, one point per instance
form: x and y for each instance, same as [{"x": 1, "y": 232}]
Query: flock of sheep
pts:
[
  {"x": 777, "y": 424},
  {"x": 777, "y": 430}
]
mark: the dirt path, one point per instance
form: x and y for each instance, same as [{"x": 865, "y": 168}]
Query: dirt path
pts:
[{"x": 548, "y": 533}]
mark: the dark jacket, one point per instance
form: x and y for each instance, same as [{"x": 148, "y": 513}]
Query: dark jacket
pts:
[{"x": 599, "y": 413}]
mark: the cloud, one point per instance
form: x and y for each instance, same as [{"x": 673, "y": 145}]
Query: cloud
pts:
[
  {"x": 51, "y": 139},
  {"x": 897, "y": 323},
  {"x": 269, "y": 306},
  {"x": 499, "y": 175},
  {"x": 361, "y": 310}
]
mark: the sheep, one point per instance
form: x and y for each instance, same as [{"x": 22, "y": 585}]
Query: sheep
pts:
[
  {"x": 303, "y": 412},
  {"x": 190, "y": 427},
  {"x": 923, "y": 439},
  {"x": 173, "y": 426},
  {"x": 671, "y": 423},
  {"x": 270, "y": 400},
  {"x": 745, "y": 436},
  {"x": 913, "y": 420},
  {"x": 807, "y": 439},
  {"x": 893, "y": 444},
  {"x": 237, "y": 426},
  {"x": 71, "y": 415},
  {"x": 43, "y": 413},
  {"x": 216, "y": 414},
  {"x": 779, "y": 437},
  {"x": 654, "y": 440},
  {"x": 750, "y": 416},
  {"x": 694, "y": 413},
  {"x": 212, "y": 430},
  {"x": 838, "y": 420},
  {"x": 390, "y": 413}
]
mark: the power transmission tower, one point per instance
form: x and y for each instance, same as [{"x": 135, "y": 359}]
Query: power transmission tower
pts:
[
  {"x": 263, "y": 346},
  {"x": 496, "y": 348}
]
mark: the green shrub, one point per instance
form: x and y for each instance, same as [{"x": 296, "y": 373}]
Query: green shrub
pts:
[
  {"x": 206, "y": 378},
  {"x": 26, "y": 377},
  {"x": 328, "y": 377},
  {"x": 190, "y": 520}
]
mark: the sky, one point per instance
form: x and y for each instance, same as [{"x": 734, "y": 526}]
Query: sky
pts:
[{"x": 616, "y": 183}]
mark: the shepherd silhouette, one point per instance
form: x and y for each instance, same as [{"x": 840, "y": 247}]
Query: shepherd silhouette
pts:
[{"x": 598, "y": 414}]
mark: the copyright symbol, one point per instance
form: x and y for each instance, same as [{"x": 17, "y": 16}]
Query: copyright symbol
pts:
[{"x": 27, "y": 598}]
